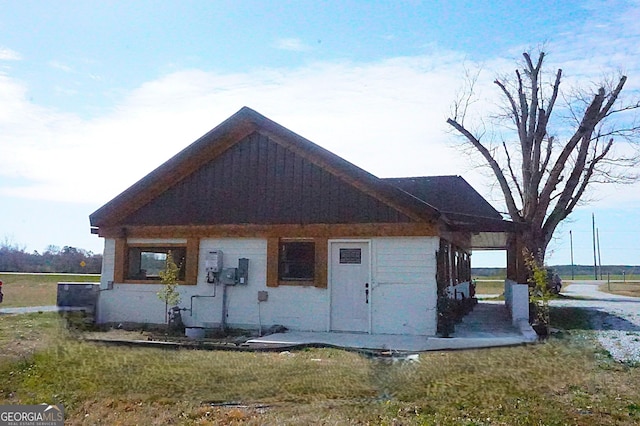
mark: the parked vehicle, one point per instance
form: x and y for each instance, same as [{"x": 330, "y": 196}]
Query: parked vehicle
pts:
[{"x": 554, "y": 282}]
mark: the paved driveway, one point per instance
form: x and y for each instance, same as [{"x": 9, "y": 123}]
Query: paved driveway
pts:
[{"x": 616, "y": 319}]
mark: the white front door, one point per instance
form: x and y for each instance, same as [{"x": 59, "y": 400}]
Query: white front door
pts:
[{"x": 350, "y": 286}]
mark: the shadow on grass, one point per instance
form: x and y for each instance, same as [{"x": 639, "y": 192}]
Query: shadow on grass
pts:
[
  {"x": 583, "y": 318},
  {"x": 619, "y": 298}
]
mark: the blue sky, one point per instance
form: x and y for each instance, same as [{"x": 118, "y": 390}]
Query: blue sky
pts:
[{"x": 94, "y": 95}]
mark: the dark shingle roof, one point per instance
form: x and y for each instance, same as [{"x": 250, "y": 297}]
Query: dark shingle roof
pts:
[
  {"x": 461, "y": 205},
  {"x": 449, "y": 194}
]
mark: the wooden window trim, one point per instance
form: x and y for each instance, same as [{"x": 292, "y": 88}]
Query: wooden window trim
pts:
[
  {"x": 320, "y": 267},
  {"x": 192, "y": 248}
]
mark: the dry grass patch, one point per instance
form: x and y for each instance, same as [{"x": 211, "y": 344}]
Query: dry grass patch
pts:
[
  {"x": 631, "y": 289},
  {"x": 489, "y": 286},
  {"x": 566, "y": 380}
]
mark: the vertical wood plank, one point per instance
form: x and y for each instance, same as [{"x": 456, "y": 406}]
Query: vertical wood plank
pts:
[
  {"x": 322, "y": 261},
  {"x": 272, "y": 262},
  {"x": 193, "y": 253},
  {"x": 119, "y": 259}
]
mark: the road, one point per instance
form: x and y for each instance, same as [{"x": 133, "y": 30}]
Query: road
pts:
[
  {"x": 616, "y": 319},
  {"x": 32, "y": 309}
]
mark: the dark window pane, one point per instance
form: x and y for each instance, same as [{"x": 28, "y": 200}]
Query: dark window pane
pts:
[{"x": 297, "y": 261}]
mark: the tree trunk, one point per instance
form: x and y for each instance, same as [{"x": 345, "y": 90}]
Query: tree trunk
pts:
[{"x": 533, "y": 242}]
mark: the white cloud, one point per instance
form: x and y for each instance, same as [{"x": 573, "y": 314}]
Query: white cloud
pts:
[
  {"x": 292, "y": 44},
  {"x": 7, "y": 54},
  {"x": 387, "y": 117}
]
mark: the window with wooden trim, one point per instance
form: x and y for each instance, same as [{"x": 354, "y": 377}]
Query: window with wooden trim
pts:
[
  {"x": 141, "y": 263},
  {"x": 297, "y": 261}
]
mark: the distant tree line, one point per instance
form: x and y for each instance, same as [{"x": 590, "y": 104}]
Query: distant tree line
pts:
[
  {"x": 565, "y": 271},
  {"x": 53, "y": 259}
]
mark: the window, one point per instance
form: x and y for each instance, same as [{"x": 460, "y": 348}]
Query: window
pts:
[
  {"x": 296, "y": 261},
  {"x": 145, "y": 263}
]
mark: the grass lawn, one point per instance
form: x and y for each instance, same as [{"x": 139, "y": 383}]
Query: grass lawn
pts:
[
  {"x": 489, "y": 286},
  {"x": 566, "y": 380},
  {"x": 36, "y": 289}
]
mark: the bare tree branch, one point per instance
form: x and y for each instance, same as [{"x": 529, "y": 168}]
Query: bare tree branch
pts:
[
  {"x": 554, "y": 177},
  {"x": 511, "y": 172},
  {"x": 511, "y": 205}
]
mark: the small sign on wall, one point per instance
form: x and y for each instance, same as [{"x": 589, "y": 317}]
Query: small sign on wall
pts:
[{"x": 351, "y": 256}]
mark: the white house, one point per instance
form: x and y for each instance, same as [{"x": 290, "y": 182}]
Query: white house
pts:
[{"x": 269, "y": 228}]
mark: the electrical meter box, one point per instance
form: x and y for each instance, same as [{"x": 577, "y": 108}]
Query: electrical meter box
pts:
[
  {"x": 243, "y": 271},
  {"x": 213, "y": 261},
  {"x": 229, "y": 276}
]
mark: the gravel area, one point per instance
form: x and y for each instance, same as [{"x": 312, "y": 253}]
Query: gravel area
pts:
[{"x": 616, "y": 319}]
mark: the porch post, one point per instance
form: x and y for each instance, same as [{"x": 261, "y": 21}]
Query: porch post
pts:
[
  {"x": 512, "y": 258},
  {"x": 516, "y": 267}
]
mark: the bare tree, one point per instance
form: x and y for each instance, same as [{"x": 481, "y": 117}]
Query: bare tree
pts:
[{"x": 543, "y": 174}]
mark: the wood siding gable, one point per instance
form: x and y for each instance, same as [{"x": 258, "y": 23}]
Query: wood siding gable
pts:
[{"x": 259, "y": 181}]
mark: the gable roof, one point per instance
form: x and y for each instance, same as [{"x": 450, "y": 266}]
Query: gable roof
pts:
[
  {"x": 458, "y": 201},
  {"x": 449, "y": 194},
  {"x": 148, "y": 191}
]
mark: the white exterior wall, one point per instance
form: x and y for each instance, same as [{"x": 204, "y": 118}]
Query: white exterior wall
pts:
[
  {"x": 295, "y": 307},
  {"x": 404, "y": 286},
  {"x": 129, "y": 302},
  {"x": 403, "y": 291}
]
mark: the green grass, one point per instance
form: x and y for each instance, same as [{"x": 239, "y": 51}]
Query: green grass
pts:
[
  {"x": 566, "y": 380},
  {"x": 22, "y": 335},
  {"x": 36, "y": 289}
]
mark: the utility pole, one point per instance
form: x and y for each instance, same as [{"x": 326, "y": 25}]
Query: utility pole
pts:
[
  {"x": 595, "y": 260},
  {"x": 599, "y": 258},
  {"x": 571, "y": 242}
]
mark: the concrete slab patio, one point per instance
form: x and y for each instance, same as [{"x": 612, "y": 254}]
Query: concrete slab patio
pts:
[{"x": 488, "y": 325}]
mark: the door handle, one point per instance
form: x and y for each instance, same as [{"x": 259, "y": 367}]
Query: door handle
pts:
[{"x": 366, "y": 293}]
